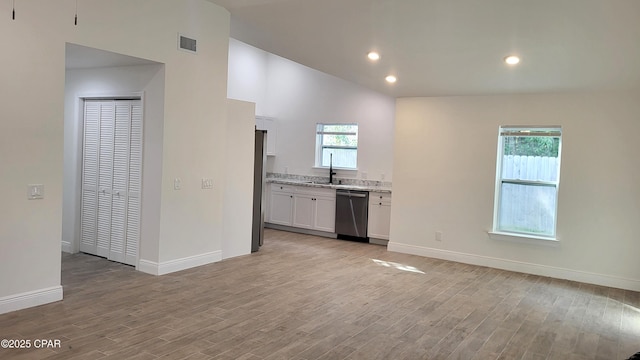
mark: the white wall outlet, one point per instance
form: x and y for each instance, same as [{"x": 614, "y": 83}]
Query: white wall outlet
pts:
[
  {"x": 364, "y": 175},
  {"x": 177, "y": 184},
  {"x": 382, "y": 177},
  {"x": 35, "y": 191},
  {"x": 207, "y": 183},
  {"x": 286, "y": 169},
  {"x": 438, "y": 235}
]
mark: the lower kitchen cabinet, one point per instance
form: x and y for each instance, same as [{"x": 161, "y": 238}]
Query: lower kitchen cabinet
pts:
[
  {"x": 325, "y": 216},
  {"x": 379, "y": 215},
  {"x": 303, "y": 207},
  {"x": 281, "y": 205}
]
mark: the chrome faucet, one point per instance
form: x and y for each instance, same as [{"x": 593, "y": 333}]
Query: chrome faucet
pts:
[{"x": 331, "y": 173}]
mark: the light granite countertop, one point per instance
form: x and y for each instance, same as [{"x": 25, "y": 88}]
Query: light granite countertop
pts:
[{"x": 326, "y": 185}]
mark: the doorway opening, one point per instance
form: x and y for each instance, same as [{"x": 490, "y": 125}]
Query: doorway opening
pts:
[{"x": 114, "y": 113}]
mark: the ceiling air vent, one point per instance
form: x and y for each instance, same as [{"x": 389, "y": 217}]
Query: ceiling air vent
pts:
[{"x": 186, "y": 44}]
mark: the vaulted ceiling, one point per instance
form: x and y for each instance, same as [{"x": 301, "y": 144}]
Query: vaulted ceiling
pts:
[{"x": 452, "y": 47}]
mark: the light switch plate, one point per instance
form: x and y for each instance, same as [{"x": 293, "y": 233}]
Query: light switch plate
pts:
[
  {"x": 207, "y": 183},
  {"x": 35, "y": 191},
  {"x": 177, "y": 184}
]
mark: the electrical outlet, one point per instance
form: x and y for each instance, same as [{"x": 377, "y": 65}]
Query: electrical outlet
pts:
[
  {"x": 438, "y": 235},
  {"x": 177, "y": 184},
  {"x": 364, "y": 175},
  {"x": 382, "y": 177},
  {"x": 286, "y": 169}
]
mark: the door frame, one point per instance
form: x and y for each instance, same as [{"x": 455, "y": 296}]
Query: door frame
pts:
[{"x": 79, "y": 151}]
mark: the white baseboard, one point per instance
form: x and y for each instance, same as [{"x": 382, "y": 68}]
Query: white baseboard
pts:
[
  {"x": 30, "y": 299},
  {"x": 518, "y": 266},
  {"x": 66, "y": 247},
  {"x": 170, "y": 266}
]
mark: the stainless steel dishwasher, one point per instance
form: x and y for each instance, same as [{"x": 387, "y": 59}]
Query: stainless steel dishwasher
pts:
[{"x": 352, "y": 213}]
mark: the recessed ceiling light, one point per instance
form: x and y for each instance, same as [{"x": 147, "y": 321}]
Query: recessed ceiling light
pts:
[
  {"x": 373, "y": 56},
  {"x": 512, "y": 60},
  {"x": 391, "y": 79}
]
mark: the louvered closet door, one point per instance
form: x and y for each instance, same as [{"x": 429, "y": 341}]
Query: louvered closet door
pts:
[
  {"x": 89, "y": 207},
  {"x": 127, "y": 170},
  {"x": 132, "y": 238},
  {"x": 120, "y": 180},
  {"x": 105, "y": 177},
  {"x": 113, "y": 161}
]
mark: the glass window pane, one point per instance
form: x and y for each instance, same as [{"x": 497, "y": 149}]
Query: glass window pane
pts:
[
  {"x": 340, "y": 140},
  {"x": 527, "y": 209},
  {"x": 349, "y": 128},
  {"x": 345, "y": 158},
  {"x": 535, "y": 168},
  {"x": 532, "y": 145}
]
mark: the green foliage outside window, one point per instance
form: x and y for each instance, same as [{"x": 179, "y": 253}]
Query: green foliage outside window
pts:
[
  {"x": 531, "y": 145},
  {"x": 340, "y": 140}
]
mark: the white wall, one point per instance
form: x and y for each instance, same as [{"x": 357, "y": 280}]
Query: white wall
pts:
[
  {"x": 247, "y": 75},
  {"x": 31, "y": 136},
  {"x": 444, "y": 176},
  {"x": 238, "y": 196},
  {"x": 299, "y": 97},
  {"x": 116, "y": 81}
]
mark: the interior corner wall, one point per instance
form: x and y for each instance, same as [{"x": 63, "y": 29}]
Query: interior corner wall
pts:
[
  {"x": 238, "y": 196},
  {"x": 31, "y": 136},
  {"x": 148, "y": 80},
  {"x": 247, "y": 75},
  {"x": 444, "y": 180},
  {"x": 300, "y": 97}
]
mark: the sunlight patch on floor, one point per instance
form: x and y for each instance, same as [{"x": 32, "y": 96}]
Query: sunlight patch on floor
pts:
[
  {"x": 397, "y": 266},
  {"x": 633, "y": 318}
]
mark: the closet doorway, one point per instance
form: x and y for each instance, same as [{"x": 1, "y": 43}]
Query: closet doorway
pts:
[{"x": 111, "y": 179}]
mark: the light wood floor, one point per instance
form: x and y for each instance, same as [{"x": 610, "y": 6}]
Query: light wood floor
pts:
[{"x": 303, "y": 297}]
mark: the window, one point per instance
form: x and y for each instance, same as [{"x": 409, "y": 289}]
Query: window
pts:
[
  {"x": 527, "y": 178},
  {"x": 337, "y": 143}
]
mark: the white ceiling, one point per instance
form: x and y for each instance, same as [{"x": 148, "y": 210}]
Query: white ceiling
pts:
[{"x": 452, "y": 47}]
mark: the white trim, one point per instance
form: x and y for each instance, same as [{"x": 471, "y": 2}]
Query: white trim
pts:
[
  {"x": 66, "y": 247},
  {"x": 154, "y": 268},
  {"x": 531, "y": 239},
  {"x": 518, "y": 266},
  {"x": 30, "y": 299},
  {"x": 80, "y": 99}
]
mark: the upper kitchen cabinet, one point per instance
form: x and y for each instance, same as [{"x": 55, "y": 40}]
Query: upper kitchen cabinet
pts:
[{"x": 269, "y": 124}]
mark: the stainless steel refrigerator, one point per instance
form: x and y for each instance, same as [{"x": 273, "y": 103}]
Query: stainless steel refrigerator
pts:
[{"x": 259, "y": 174}]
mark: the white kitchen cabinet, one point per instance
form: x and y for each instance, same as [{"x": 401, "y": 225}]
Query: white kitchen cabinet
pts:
[
  {"x": 281, "y": 204},
  {"x": 269, "y": 124},
  {"x": 379, "y": 215},
  {"x": 325, "y": 213},
  {"x": 303, "y": 207},
  {"x": 303, "y": 211},
  {"x": 314, "y": 208}
]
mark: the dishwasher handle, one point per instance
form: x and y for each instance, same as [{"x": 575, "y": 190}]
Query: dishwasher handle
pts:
[{"x": 346, "y": 193}]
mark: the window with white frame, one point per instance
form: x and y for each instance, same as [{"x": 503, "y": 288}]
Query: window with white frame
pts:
[
  {"x": 337, "y": 144},
  {"x": 527, "y": 179}
]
